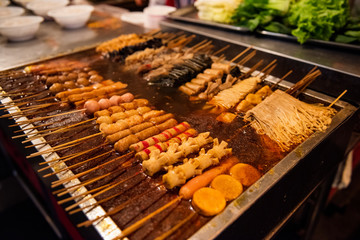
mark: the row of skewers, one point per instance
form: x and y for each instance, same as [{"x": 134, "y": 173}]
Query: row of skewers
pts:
[{"x": 141, "y": 134}]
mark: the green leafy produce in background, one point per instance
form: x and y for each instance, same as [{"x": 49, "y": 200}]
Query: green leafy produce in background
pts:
[
  {"x": 318, "y": 19},
  {"x": 304, "y": 19},
  {"x": 256, "y": 13}
]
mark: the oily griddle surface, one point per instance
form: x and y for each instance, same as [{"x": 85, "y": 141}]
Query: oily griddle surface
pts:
[{"x": 137, "y": 193}]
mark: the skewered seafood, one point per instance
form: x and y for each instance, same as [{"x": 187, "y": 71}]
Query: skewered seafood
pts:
[
  {"x": 178, "y": 175},
  {"x": 174, "y": 152},
  {"x": 228, "y": 98}
]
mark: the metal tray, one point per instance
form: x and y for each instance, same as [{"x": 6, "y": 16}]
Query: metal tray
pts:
[
  {"x": 189, "y": 14},
  {"x": 247, "y": 203},
  {"x": 312, "y": 41}
]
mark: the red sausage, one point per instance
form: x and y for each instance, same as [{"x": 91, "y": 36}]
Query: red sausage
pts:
[{"x": 104, "y": 103}]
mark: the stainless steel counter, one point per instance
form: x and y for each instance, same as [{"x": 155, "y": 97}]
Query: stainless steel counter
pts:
[
  {"x": 52, "y": 41},
  {"x": 342, "y": 60}
]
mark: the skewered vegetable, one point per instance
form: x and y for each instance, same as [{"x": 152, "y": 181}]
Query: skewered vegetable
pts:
[
  {"x": 245, "y": 174},
  {"x": 228, "y": 186},
  {"x": 208, "y": 201}
]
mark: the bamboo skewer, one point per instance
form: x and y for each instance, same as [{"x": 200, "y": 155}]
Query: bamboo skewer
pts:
[
  {"x": 77, "y": 164},
  {"x": 240, "y": 54},
  {"x": 141, "y": 222},
  {"x": 247, "y": 58},
  {"x": 112, "y": 211},
  {"x": 176, "y": 227},
  {"x": 72, "y": 156},
  {"x": 47, "y": 142},
  {"x": 337, "y": 99},
  {"x": 49, "y": 132},
  {"x": 64, "y": 145},
  {"x": 62, "y": 181},
  {"x": 83, "y": 195},
  {"x": 221, "y": 50},
  {"x": 43, "y": 118},
  {"x": 74, "y": 188},
  {"x": 281, "y": 79},
  {"x": 111, "y": 186}
]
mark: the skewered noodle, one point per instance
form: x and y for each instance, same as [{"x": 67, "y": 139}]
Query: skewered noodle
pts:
[
  {"x": 228, "y": 98},
  {"x": 287, "y": 120}
]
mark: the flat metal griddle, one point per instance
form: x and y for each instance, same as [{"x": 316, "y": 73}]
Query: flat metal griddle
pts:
[{"x": 239, "y": 209}]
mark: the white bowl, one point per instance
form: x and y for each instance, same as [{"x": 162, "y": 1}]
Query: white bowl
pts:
[
  {"x": 155, "y": 14},
  {"x": 20, "y": 28},
  {"x": 24, "y": 2},
  {"x": 4, "y": 3},
  {"x": 74, "y": 16},
  {"x": 7, "y": 12},
  {"x": 42, "y": 7}
]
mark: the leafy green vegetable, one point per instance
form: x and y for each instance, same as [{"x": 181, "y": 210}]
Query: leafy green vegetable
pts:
[
  {"x": 277, "y": 27},
  {"x": 216, "y": 10},
  {"x": 355, "y": 34},
  {"x": 345, "y": 39},
  {"x": 255, "y": 13},
  {"x": 318, "y": 19}
]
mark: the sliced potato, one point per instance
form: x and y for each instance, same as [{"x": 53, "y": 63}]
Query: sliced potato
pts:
[
  {"x": 208, "y": 201},
  {"x": 228, "y": 186},
  {"x": 245, "y": 174}
]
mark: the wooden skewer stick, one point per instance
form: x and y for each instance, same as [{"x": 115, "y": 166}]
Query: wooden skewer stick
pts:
[
  {"x": 73, "y": 155},
  {"x": 84, "y": 194},
  {"x": 62, "y": 181},
  {"x": 252, "y": 69},
  {"x": 33, "y": 127},
  {"x": 77, "y": 164},
  {"x": 247, "y": 58},
  {"x": 73, "y": 188},
  {"x": 47, "y": 117},
  {"x": 57, "y": 130},
  {"x": 277, "y": 83},
  {"x": 113, "y": 210},
  {"x": 47, "y": 142},
  {"x": 141, "y": 222},
  {"x": 268, "y": 72},
  {"x": 197, "y": 45},
  {"x": 337, "y": 99},
  {"x": 221, "y": 50},
  {"x": 266, "y": 67},
  {"x": 22, "y": 111},
  {"x": 240, "y": 54},
  {"x": 64, "y": 145},
  {"x": 176, "y": 227},
  {"x": 112, "y": 185}
]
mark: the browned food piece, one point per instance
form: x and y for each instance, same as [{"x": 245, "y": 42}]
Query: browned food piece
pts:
[
  {"x": 228, "y": 186},
  {"x": 113, "y": 138},
  {"x": 104, "y": 103},
  {"x": 166, "y": 125},
  {"x": 161, "y": 119},
  {"x": 203, "y": 180},
  {"x": 153, "y": 113},
  {"x": 245, "y": 174},
  {"x": 208, "y": 201},
  {"x": 91, "y": 107},
  {"x": 102, "y": 112},
  {"x": 123, "y": 144},
  {"x": 226, "y": 117},
  {"x": 148, "y": 132}
]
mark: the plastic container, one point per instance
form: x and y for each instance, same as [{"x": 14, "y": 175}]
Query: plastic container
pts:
[{"x": 153, "y": 15}]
